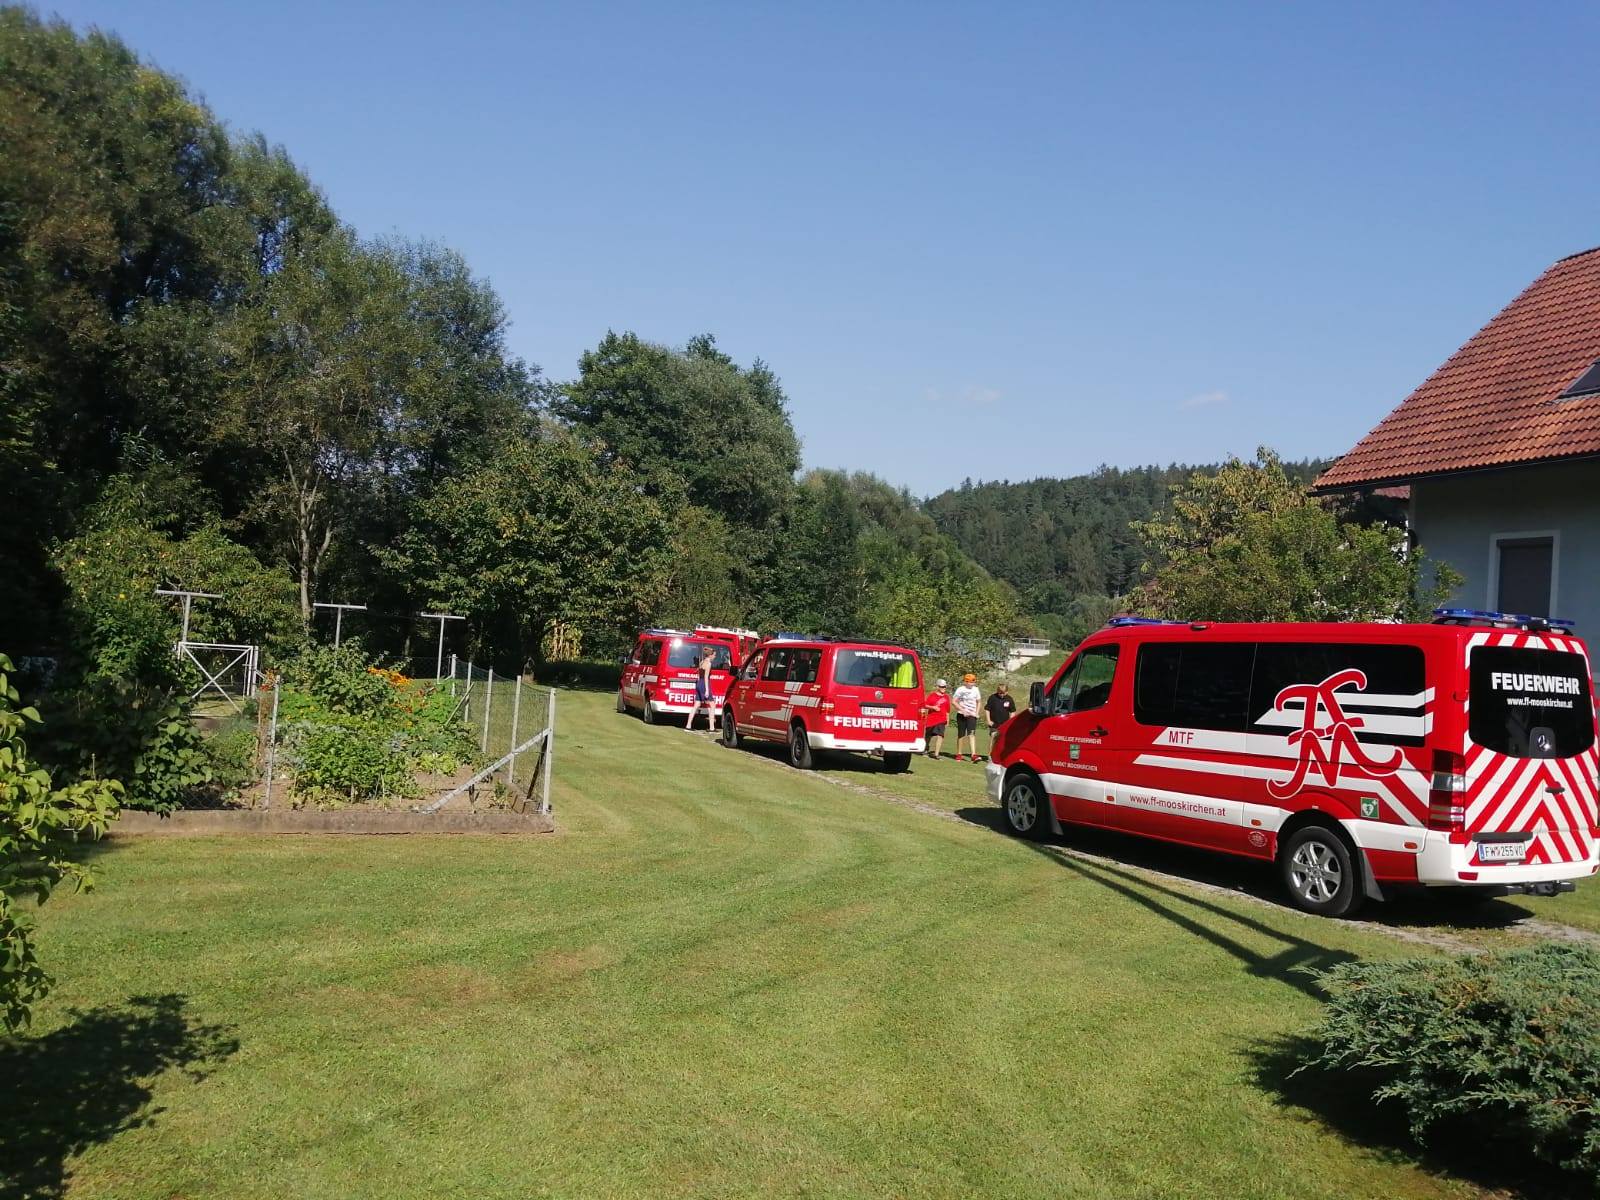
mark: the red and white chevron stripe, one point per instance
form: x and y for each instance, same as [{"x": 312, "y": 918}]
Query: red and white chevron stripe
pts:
[{"x": 1555, "y": 798}]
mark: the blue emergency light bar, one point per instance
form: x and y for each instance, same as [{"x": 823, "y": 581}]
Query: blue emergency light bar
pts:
[
  {"x": 1124, "y": 621},
  {"x": 1478, "y": 616},
  {"x": 786, "y": 635}
]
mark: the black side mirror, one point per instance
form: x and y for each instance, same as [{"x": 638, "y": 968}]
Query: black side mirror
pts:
[{"x": 1037, "y": 704}]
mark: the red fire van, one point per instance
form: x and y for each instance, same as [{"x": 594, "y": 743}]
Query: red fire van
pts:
[
  {"x": 658, "y": 677},
  {"x": 742, "y": 640},
  {"x": 821, "y": 694},
  {"x": 1456, "y": 754}
]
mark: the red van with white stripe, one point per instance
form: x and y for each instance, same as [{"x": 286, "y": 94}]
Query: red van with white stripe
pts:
[
  {"x": 820, "y": 694},
  {"x": 658, "y": 677},
  {"x": 1459, "y": 754}
]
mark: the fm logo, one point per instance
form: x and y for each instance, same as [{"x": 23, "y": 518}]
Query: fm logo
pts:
[{"x": 1324, "y": 747}]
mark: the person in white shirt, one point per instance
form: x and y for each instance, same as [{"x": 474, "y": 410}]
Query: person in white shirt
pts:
[{"x": 966, "y": 700}]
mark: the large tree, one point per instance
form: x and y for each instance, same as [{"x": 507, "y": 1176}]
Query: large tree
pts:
[
  {"x": 542, "y": 535},
  {"x": 691, "y": 414},
  {"x": 1247, "y": 542}
]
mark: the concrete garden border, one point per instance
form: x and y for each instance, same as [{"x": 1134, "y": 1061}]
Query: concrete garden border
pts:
[{"x": 210, "y": 822}]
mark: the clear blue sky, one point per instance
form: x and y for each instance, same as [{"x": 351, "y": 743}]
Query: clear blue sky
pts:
[{"x": 986, "y": 240}]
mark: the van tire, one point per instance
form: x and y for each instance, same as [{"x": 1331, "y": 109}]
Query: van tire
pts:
[
  {"x": 799, "y": 748},
  {"x": 1025, "y": 806},
  {"x": 646, "y": 713},
  {"x": 896, "y": 761},
  {"x": 730, "y": 729},
  {"x": 622, "y": 703},
  {"x": 1320, "y": 872}
]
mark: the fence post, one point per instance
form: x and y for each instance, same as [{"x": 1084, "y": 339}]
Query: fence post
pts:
[
  {"x": 272, "y": 747},
  {"x": 452, "y": 675},
  {"x": 549, "y": 752},
  {"x": 488, "y": 699},
  {"x": 516, "y": 711}
]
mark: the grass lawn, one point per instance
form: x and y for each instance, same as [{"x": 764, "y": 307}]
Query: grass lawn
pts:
[{"x": 721, "y": 978}]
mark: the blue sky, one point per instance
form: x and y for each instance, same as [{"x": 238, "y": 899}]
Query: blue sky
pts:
[{"x": 983, "y": 240}]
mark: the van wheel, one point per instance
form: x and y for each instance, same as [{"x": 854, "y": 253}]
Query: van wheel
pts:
[
  {"x": 896, "y": 761},
  {"x": 730, "y": 730},
  {"x": 1319, "y": 872},
  {"x": 799, "y": 747},
  {"x": 1026, "y": 806},
  {"x": 622, "y": 703},
  {"x": 646, "y": 712}
]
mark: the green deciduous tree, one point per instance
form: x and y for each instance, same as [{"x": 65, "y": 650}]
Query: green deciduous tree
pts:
[
  {"x": 1249, "y": 543},
  {"x": 692, "y": 414},
  {"x": 544, "y": 534}
]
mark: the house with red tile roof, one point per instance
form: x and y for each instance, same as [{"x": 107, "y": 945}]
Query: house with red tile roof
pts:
[{"x": 1500, "y": 448}]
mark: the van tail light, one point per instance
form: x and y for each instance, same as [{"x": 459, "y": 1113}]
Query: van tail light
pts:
[{"x": 1447, "y": 795}]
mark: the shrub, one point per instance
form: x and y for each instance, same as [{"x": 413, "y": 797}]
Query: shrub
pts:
[
  {"x": 351, "y": 731},
  {"x": 143, "y": 737},
  {"x": 231, "y": 758},
  {"x": 1502, "y": 1047},
  {"x": 340, "y": 679},
  {"x": 345, "y": 761},
  {"x": 37, "y": 822}
]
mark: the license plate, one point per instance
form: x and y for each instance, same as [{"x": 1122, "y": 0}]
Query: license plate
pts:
[
  {"x": 877, "y": 710},
  {"x": 1513, "y": 852}
]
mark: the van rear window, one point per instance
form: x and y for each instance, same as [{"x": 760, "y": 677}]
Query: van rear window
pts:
[
  {"x": 1530, "y": 703},
  {"x": 687, "y": 654},
  {"x": 874, "y": 668}
]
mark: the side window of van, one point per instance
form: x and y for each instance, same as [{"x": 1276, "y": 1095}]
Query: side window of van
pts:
[
  {"x": 1204, "y": 686},
  {"x": 804, "y": 665},
  {"x": 777, "y": 667},
  {"x": 752, "y": 669},
  {"x": 1087, "y": 683},
  {"x": 649, "y": 652},
  {"x": 1391, "y": 703}
]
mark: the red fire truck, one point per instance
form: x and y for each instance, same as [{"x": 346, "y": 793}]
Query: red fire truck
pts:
[
  {"x": 822, "y": 694},
  {"x": 658, "y": 677},
  {"x": 1356, "y": 757}
]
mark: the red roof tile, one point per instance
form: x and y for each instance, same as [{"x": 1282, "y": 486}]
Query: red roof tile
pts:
[{"x": 1493, "y": 402}]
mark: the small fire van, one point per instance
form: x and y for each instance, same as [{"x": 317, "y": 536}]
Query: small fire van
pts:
[
  {"x": 742, "y": 640},
  {"x": 814, "y": 694},
  {"x": 658, "y": 677},
  {"x": 1459, "y": 754}
]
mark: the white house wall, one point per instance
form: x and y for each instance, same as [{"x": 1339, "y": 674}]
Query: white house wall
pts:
[{"x": 1455, "y": 518}]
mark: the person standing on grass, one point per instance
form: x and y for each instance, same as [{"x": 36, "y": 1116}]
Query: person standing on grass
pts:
[
  {"x": 966, "y": 700},
  {"x": 936, "y": 717},
  {"x": 702, "y": 691},
  {"x": 998, "y": 709}
]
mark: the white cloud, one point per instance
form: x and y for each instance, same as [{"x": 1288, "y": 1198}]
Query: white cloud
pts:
[{"x": 1205, "y": 400}]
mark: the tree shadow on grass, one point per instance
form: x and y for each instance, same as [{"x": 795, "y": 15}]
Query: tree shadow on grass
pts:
[
  {"x": 1342, "y": 1102},
  {"x": 1414, "y": 908},
  {"x": 88, "y": 1081}
]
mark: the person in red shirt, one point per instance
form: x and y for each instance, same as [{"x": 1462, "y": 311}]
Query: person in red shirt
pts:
[{"x": 936, "y": 716}]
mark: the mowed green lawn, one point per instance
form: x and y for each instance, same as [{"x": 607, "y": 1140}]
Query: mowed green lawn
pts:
[{"x": 722, "y": 978}]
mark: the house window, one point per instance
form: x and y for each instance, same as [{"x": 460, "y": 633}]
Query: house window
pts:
[{"x": 1524, "y": 573}]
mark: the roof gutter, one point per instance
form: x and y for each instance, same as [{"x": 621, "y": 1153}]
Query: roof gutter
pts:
[{"x": 1363, "y": 485}]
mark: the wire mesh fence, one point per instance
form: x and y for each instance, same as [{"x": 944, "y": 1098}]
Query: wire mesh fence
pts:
[
  {"x": 466, "y": 735},
  {"x": 515, "y": 727}
]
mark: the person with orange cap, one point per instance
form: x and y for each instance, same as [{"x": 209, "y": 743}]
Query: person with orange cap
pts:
[{"x": 966, "y": 700}]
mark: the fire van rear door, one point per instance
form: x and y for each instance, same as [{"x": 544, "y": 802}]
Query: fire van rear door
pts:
[{"x": 1531, "y": 759}]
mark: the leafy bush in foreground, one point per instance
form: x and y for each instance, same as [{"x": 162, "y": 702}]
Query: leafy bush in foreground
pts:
[
  {"x": 1502, "y": 1047},
  {"x": 37, "y": 823}
]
